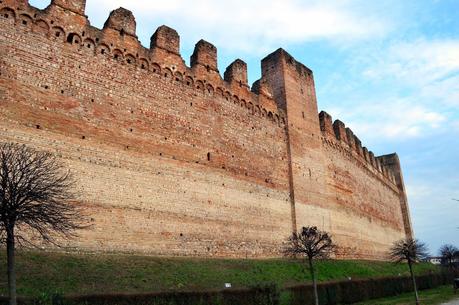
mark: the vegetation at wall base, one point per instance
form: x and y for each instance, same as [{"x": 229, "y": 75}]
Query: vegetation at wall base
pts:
[
  {"x": 106, "y": 279},
  {"x": 332, "y": 293},
  {"x": 72, "y": 273},
  {"x": 427, "y": 297},
  {"x": 353, "y": 291},
  {"x": 262, "y": 295}
]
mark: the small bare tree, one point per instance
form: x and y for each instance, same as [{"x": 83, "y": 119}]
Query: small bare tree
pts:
[
  {"x": 448, "y": 254},
  {"x": 411, "y": 251},
  {"x": 312, "y": 244},
  {"x": 35, "y": 190}
]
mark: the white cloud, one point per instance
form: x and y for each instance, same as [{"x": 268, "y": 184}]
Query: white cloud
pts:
[
  {"x": 397, "y": 119},
  {"x": 418, "y": 62},
  {"x": 444, "y": 90},
  {"x": 455, "y": 126},
  {"x": 419, "y": 191},
  {"x": 252, "y": 25},
  {"x": 432, "y": 211},
  {"x": 429, "y": 67},
  {"x": 413, "y": 89}
]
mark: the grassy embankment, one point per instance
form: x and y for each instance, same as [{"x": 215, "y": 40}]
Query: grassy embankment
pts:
[{"x": 39, "y": 272}]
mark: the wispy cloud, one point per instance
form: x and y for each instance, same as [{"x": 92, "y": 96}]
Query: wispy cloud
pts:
[
  {"x": 411, "y": 89},
  {"x": 418, "y": 62},
  {"x": 251, "y": 25},
  {"x": 431, "y": 67},
  {"x": 419, "y": 191},
  {"x": 443, "y": 90},
  {"x": 396, "y": 119},
  {"x": 431, "y": 208},
  {"x": 455, "y": 126}
]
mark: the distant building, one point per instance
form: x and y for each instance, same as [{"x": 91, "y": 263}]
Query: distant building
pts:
[{"x": 436, "y": 260}]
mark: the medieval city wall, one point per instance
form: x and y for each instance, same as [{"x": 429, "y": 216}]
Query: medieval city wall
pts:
[
  {"x": 175, "y": 160},
  {"x": 363, "y": 191},
  {"x": 337, "y": 184}
]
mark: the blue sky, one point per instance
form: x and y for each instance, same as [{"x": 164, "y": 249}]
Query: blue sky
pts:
[{"x": 388, "y": 69}]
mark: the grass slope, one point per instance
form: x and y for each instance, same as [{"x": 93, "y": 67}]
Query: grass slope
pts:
[{"x": 39, "y": 272}]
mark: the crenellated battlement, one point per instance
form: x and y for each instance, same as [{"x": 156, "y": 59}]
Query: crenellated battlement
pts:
[
  {"x": 343, "y": 136},
  {"x": 64, "y": 20},
  {"x": 236, "y": 72},
  {"x": 123, "y": 21},
  {"x": 167, "y": 39},
  {"x": 76, "y": 6},
  {"x": 204, "y": 56}
]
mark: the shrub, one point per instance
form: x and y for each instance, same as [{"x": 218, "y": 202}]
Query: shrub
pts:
[
  {"x": 260, "y": 295},
  {"x": 348, "y": 292}
]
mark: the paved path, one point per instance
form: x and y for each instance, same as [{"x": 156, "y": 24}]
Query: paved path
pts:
[{"x": 453, "y": 302}]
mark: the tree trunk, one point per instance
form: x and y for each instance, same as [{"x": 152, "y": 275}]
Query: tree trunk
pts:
[
  {"x": 314, "y": 282},
  {"x": 414, "y": 282},
  {"x": 10, "y": 262}
]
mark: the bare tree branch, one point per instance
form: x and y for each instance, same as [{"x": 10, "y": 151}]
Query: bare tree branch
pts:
[
  {"x": 411, "y": 251},
  {"x": 449, "y": 253},
  {"x": 408, "y": 250},
  {"x": 36, "y": 197},
  {"x": 311, "y": 243}
]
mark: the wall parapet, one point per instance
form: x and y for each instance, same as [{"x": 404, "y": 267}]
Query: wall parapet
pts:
[
  {"x": 343, "y": 136},
  {"x": 118, "y": 40}
]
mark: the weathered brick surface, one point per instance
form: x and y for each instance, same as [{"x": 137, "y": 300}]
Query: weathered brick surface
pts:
[{"x": 174, "y": 160}]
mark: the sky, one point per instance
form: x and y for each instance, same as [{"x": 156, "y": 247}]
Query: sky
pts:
[{"x": 389, "y": 69}]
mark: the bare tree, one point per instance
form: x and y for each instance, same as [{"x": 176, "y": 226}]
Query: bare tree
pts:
[
  {"x": 311, "y": 243},
  {"x": 448, "y": 253},
  {"x": 35, "y": 191},
  {"x": 411, "y": 251}
]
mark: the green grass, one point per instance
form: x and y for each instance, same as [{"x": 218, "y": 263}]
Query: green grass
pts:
[
  {"x": 427, "y": 297},
  {"x": 39, "y": 272}
]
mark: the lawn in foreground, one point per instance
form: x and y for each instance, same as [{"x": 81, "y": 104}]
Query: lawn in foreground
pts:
[
  {"x": 64, "y": 273},
  {"x": 427, "y": 297}
]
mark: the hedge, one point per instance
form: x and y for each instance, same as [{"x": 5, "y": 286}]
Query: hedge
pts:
[
  {"x": 353, "y": 291},
  {"x": 263, "y": 295}
]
